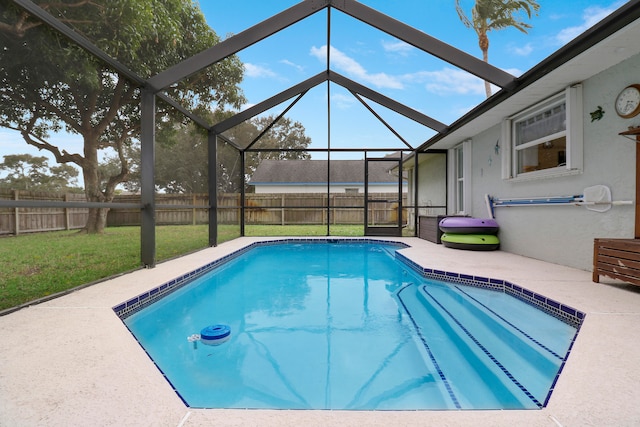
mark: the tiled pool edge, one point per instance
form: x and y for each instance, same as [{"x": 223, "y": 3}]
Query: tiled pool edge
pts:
[
  {"x": 141, "y": 301},
  {"x": 561, "y": 311},
  {"x": 556, "y": 309}
]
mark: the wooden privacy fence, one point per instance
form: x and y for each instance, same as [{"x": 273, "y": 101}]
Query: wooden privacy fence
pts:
[
  {"x": 164, "y": 215},
  {"x": 268, "y": 209},
  {"x": 307, "y": 208},
  {"x": 30, "y": 220}
]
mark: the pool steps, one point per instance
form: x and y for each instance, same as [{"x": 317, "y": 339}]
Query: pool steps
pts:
[
  {"x": 528, "y": 364},
  {"x": 506, "y": 358},
  {"x": 460, "y": 360}
]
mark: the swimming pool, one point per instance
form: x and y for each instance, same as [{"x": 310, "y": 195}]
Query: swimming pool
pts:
[{"x": 351, "y": 325}]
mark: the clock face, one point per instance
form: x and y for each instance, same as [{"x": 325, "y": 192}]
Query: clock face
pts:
[{"x": 628, "y": 101}]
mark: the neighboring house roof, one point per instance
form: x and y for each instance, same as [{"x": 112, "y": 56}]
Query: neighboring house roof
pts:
[
  {"x": 609, "y": 42},
  {"x": 349, "y": 172}
]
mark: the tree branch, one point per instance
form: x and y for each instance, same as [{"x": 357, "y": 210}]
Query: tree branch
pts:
[
  {"x": 61, "y": 156},
  {"x": 25, "y": 20},
  {"x": 114, "y": 106},
  {"x": 20, "y": 27},
  {"x": 51, "y": 108},
  {"x": 114, "y": 180}
]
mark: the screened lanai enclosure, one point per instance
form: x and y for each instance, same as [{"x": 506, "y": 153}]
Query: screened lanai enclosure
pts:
[{"x": 147, "y": 92}]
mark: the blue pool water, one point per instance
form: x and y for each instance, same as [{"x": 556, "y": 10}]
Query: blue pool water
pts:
[{"x": 349, "y": 326}]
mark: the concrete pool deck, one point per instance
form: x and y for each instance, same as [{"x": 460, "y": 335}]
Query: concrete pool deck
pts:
[{"x": 71, "y": 361}]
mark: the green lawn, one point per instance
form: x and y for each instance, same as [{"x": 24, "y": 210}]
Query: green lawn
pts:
[
  {"x": 38, "y": 265},
  {"x": 34, "y": 266}
]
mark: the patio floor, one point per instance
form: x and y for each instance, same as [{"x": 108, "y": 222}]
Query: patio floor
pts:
[{"x": 71, "y": 361}]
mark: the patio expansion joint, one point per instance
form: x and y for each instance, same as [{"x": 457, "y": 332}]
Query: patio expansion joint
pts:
[
  {"x": 615, "y": 313},
  {"x": 75, "y": 307}
]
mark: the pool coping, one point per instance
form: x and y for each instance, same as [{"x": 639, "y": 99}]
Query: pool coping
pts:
[{"x": 85, "y": 367}]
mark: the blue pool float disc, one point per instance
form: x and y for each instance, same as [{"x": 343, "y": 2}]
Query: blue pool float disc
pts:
[{"x": 215, "y": 334}]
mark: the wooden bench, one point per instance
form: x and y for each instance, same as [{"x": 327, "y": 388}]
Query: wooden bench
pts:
[{"x": 618, "y": 259}]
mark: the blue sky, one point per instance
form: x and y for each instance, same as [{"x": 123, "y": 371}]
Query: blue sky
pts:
[
  {"x": 377, "y": 60},
  {"x": 388, "y": 65}
]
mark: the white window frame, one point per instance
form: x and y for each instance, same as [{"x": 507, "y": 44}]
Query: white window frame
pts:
[
  {"x": 572, "y": 97},
  {"x": 460, "y": 178}
]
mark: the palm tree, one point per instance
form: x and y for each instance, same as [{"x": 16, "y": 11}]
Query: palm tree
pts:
[{"x": 489, "y": 15}]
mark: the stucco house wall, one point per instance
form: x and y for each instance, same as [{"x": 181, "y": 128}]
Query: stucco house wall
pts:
[
  {"x": 432, "y": 168},
  {"x": 564, "y": 234},
  {"x": 433, "y": 191}
]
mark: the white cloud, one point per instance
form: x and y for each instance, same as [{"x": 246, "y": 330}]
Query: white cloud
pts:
[
  {"x": 352, "y": 68},
  {"x": 448, "y": 81},
  {"x": 521, "y": 50},
  {"x": 590, "y": 16},
  {"x": 398, "y": 47},
  {"x": 343, "y": 101},
  {"x": 257, "y": 71},
  {"x": 297, "y": 67}
]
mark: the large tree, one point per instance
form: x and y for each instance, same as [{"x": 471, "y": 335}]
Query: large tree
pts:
[
  {"x": 181, "y": 154},
  {"x": 33, "y": 173},
  {"x": 51, "y": 85},
  {"x": 488, "y": 15},
  {"x": 286, "y": 135}
]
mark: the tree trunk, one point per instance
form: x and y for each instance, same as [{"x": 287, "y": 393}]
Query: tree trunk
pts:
[
  {"x": 487, "y": 88},
  {"x": 483, "y": 42},
  {"x": 96, "y": 187},
  {"x": 97, "y": 219}
]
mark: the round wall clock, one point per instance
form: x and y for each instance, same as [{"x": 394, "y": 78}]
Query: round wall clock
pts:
[{"x": 628, "y": 101}]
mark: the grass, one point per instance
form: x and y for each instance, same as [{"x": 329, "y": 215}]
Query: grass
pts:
[
  {"x": 38, "y": 265},
  {"x": 34, "y": 266}
]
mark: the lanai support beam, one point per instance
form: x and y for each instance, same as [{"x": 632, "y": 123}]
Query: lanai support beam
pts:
[
  {"x": 425, "y": 43},
  {"x": 381, "y": 120},
  {"x": 147, "y": 179},
  {"x": 265, "y": 105},
  {"x": 338, "y": 79},
  {"x": 235, "y": 44},
  {"x": 78, "y": 39},
  {"x": 387, "y": 102},
  {"x": 185, "y": 112},
  {"x": 212, "y": 152},
  {"x": 273, "y": 122}
]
